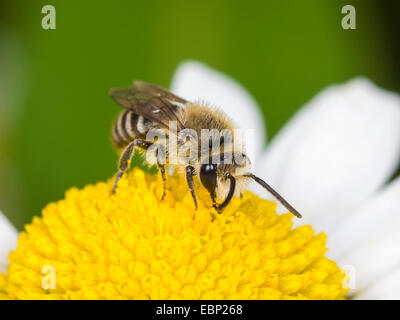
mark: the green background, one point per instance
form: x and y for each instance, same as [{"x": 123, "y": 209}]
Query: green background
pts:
[{"x": 57, "y": 116}]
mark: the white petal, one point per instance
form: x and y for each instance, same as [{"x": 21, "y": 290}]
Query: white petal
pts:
[
  {"x": 336, "y": 152},
  {"x": 8, "y": 241},
  {"x": 195, "y": 81},
  {"x": 368, "y": 238},
  {"x": 377, "y": 217},
  {"x": 387, "y": 288},
  {"x": 374, "y": 260}
]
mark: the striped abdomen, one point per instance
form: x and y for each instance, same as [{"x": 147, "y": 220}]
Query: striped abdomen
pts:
[{"x": 127, "y": 127}]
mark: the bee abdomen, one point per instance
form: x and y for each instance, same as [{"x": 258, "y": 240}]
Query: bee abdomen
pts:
[{"x": 127, "y": 127}]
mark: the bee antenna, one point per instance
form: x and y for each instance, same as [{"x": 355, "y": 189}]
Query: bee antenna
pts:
[{"x": 272, "y": 191}]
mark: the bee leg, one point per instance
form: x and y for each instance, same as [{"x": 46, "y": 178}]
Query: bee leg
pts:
[
  {"x": 126, "y": 156},
  {"x": 231, "y": 192},
  {"x": 214, "y": 202},
  {"x": 189, "y": 179},
  {"x": 161, "y": 167}
]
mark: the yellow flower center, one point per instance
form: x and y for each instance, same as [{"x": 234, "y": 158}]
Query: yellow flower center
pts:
[{"x": 94, "y": 245}]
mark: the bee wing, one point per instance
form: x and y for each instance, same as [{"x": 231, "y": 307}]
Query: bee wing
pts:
[{"x": 152, "y": 102}]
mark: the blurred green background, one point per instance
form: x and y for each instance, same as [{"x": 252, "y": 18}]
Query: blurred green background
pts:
[{"x": 55, "y": 114}]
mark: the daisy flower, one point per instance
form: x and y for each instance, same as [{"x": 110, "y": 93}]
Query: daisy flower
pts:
[
  {"x": 91, "y": 245},
  {"x": 333, "y": 161}
]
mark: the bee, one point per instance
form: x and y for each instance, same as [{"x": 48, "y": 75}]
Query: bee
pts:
[{"x": 223, "y": 171}]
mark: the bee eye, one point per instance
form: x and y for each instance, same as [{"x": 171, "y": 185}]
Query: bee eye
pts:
[{"x": 208, "y": 177}]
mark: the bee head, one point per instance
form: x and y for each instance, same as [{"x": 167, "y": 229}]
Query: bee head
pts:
[
  {"x": 219, "y": 176},
  {"x": 208, "y": 177}
]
